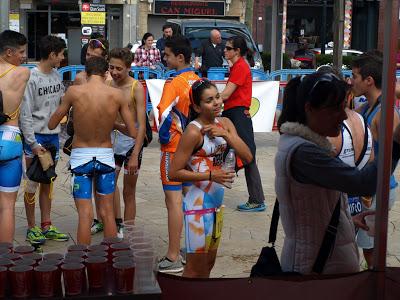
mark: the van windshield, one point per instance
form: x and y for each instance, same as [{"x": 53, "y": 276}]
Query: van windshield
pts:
[{"x": 197, "y": 35}]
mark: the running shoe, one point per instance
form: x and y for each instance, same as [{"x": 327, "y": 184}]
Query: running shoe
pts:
[
  {"x": 35, "y": 236},
  {"x": 120, "y": 230},
  {"x": 250, "y": 207},
  {"x": 165, "y": 265},
  {"x": 96, "y": 227},
  {"x": 52, "y": 233}
]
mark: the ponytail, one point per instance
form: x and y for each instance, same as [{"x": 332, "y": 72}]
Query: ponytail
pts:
[
  {"x": 290, "y": 113},
  {"x": 250, "y": 57}
]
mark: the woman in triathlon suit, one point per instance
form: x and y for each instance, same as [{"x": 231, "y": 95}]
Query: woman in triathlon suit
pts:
[{"x": 198, "y": 159}]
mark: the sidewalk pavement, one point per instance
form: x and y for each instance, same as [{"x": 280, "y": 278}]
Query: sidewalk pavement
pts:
[{"x": 244, "y": 234}]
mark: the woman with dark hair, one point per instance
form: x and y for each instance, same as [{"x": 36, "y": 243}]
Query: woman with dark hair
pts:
[
  {"x": 237, "y": 100},
  {"x": 147, "y": 55},
  {"x": 311, "y": 183},
  {"x": 199, "y": 159}
]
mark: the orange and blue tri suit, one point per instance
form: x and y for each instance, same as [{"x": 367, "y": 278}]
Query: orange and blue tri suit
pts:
[{"x": 173, "y": 117}]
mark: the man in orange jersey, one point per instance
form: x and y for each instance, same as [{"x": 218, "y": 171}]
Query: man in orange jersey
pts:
[{"x": 173, "y": 116}]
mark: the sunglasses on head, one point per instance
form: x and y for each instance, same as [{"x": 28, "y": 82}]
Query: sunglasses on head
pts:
[
  {"x": 199, "y": 83},
  {"x": 95, "y": 43},
  {"x": 229, "y": 48},
  {"x": 327, "y": 77}
]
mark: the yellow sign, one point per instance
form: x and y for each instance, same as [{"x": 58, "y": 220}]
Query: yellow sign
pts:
[{"x": 93, "y": 18}]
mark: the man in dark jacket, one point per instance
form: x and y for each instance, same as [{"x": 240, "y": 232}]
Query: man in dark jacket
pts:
[{"x": 211, "y": 52}]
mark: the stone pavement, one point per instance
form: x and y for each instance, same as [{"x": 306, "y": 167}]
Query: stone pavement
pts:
[{"x": 244, "y": 234}]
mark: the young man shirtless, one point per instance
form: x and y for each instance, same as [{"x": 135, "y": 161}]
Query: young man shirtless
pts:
[
  {"x": 13, "y": 79},
  {"x": 96, "y": 107},
  {"x": 127, "y": 151},
  {"x": 97, "y": 47}
]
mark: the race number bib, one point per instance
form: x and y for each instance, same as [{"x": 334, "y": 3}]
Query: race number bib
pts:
[{"x": 355, "y": 205}]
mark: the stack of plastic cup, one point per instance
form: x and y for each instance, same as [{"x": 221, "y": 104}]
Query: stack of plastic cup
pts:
[
  {"x": 74, "y": 277},
  {"x": 21, "y": 279},
  {"x": 96, "y": 271},
  {"x": 45, "y": 279},
  {"x": 3, "y": 281},
  {"x": 145, "y": 266}
]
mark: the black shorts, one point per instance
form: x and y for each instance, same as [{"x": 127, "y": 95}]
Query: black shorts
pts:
[{"x": 122, "y": 160}]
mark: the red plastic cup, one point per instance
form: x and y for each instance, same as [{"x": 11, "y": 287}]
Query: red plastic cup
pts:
[
  {"x": 122, "y": 259},
  {"x": 73, "y": 260},
  {"x": 5, "y": 262},
  {"x": 77, "y": 248},
  {"x": 3, "y": 281},
  {"x": 35, "y": 256},
  {"x": 124, "y": 274},
  {"x": 117, "y": 247},
  {"x": 97, "y": 253},
  {"x": 7, "y": 245},
  {"x": 25, "y": 262},
  {"x": 57, "y": 275},
  {"x": 4, "y": 250},
  {"x": 12, "y": 256},
  {"x": 96, "y": 270},
  {"x": 111, "y": 240},
  {"x": 98, "y": 247},
  {"x": 57, "y": 256},
  {"x": 123, "y": 253},
  {"x": 23, "y": 250},
  {"x": 21, "y": 278},
  {"x": 74, "y": 276},
  {"x": 75, "y": 254},
  {"x": 45, "y": 276}
]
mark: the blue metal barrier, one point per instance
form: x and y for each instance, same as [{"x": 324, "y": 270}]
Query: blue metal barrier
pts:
[{"x": 156, "y": 74}]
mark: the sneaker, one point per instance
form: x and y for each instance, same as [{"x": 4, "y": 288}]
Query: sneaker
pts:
[
  {"x": 165, "y": 265},
  {"x": 120, "y": 230},
  {"x": 35, "y": 236},
  {"x": 96, "y": 227},
  {"x": 251, "y": 207},
  {"x": 52, "y": 233}
]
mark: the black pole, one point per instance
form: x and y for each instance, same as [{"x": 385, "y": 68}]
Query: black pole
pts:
[{"x": 323, "y": 26}]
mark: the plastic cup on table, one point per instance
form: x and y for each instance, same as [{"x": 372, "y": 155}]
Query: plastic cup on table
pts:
[
  {"x": 74, "y": 276},
  {"x": 111, "y": 240},
  {"x": 98, "y": 247},
  {"x": 124, "y": 273},
  {"x": 45, "y": 280},
  {"x": 72, "y": 248},
  {"x": 23, "y": 250},
  {"x": 25, "y": 262},
  {"x": 3, "y": 281},
  {"x": 76, "y": 254},
  {"x": 97, "y": 254},
  {"x": 122, "y": 258},
  {"x": 7, "y": 245},
  {"x": 141, "y": 247},
  {"x": 12, "y": 256},
  {"x": 73, "y": 259},
  {"x": 96, "y": 267},
  {"x": 6, "y": 262},
  {"x": 52, "y": 256},
  {"x": 21, "y": 278},
  {"x": 117, "y": 247},
  {"x": 128, "y": 252},
  {"x": 146, "y": 265},
  {"x": 37, "y": 257},
  {"x": 4, "y": 250},
  {"x": 57, "y": 275}
]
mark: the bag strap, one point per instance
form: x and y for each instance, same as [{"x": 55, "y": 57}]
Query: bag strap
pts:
[
  {"x": 1, "y": 101},
  {"x": 274, "y": 223},
  {"x": 133, "y": 99},
  {"x": 365, "y": 146},
  {"x": 328, "y": 241}
]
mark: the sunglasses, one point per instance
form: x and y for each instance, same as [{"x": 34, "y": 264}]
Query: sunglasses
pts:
[
  {"x": 229, "y": 48},
  {"x": 197, "y": 84},
  {"x": 94, "y": 43}
]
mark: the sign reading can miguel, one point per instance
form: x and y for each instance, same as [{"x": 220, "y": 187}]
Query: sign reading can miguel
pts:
[{"x": 189, "y": 8}]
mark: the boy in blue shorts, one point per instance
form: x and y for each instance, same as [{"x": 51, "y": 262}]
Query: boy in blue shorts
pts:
[{"x": 42, "y": 97}]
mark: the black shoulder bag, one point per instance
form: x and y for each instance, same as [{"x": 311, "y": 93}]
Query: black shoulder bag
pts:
[
  {"x": 268, "y": 262},
  {"x": 3, "y": 117}
]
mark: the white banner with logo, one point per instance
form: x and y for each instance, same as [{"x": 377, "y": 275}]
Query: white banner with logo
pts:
[{"x": 263, "y": 102}]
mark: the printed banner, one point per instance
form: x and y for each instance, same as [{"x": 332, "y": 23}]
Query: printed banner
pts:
[{"x": 263, "y": 103}]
